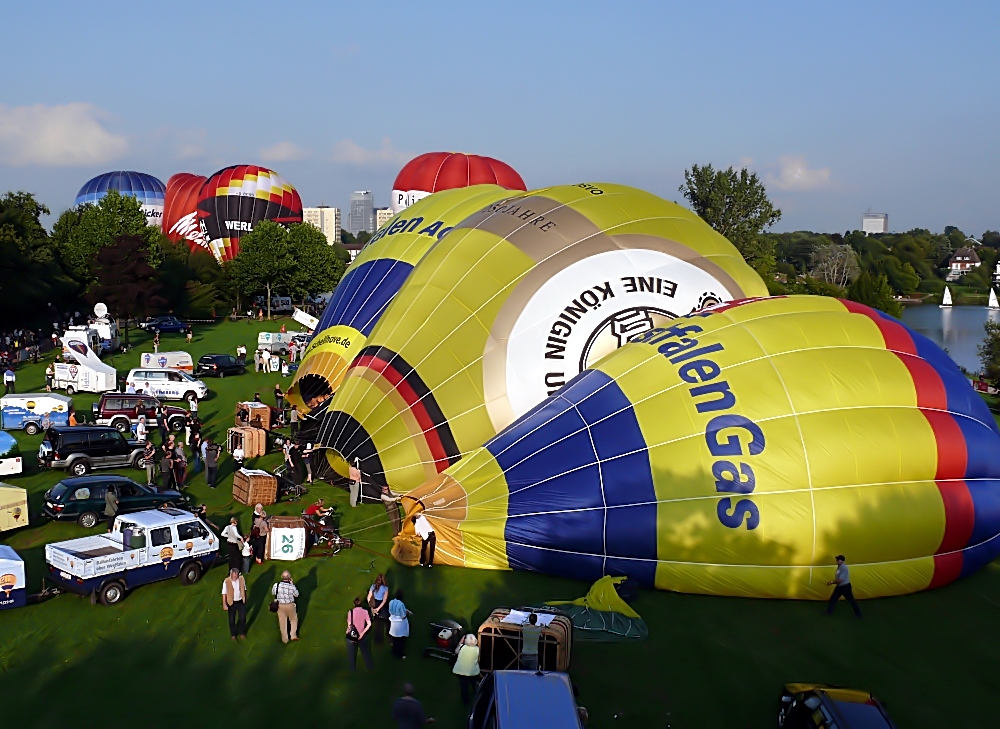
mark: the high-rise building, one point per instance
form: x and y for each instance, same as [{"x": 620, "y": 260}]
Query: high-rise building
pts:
[
  {"x": 382, "y": 216},
  {"x": 874, "y": 223},
  {"x": 362, "y": 214},
  {"x": 325, "y": 218}
]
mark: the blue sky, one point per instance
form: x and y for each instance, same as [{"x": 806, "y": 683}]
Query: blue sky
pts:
[{"x": 841, "y": 107}]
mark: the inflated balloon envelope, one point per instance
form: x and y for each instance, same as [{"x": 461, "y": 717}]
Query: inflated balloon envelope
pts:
[
  {"x": 736, "y": 452},
  {"x": 527, "y": 292},
  {"x": 371, "y": 282}
]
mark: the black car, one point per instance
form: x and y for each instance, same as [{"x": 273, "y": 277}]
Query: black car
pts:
[
  {"x": 82, "y": 448},
  {"x": 818, "y": 706},
  {"x": 219, "y": 365},
  {"x": 82, "y": 498},
  {"x": 163, "y": 324}
]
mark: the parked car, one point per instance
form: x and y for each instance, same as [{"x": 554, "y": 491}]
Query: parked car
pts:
[
  {"x": 817, "y": 706},
  {"x": 122, "y": 410},
  {"x": 166, "y": 384},
  {"x": 219, "y": 365},
  {"x": 148, "y": 546},
  {"x": 82, "y": 448},
  {"x": 524, "y": 700},
  {"x": 82, "y": 498},
  {"x": 163, "y": 325}
]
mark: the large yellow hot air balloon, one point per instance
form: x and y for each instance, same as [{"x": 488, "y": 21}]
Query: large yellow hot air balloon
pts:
[
  {"x": 736, "y": 452},
  {"x": 372, "y": 281},
  {"x": 527, "y": 292}
]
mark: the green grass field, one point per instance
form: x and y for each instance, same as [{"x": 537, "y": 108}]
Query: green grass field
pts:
[{"x": 163, "y": 657}]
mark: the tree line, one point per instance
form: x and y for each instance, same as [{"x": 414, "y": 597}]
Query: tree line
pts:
[{"x": 106, "y": 252}]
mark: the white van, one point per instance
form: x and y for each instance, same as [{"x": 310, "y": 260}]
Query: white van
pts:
[
  {"x": 28, "y": 411},
  {"x": 166, "y": 384},
  {"x": 275, "y": 342},
  {"x": 167, "y": 360},
  {"x": 281, "y": 304}
]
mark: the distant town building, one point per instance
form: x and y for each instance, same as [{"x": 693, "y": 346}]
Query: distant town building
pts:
[
  {"x": 382, "y": 216},
  {"x": 963, "y": 261},
  {"x": 874, "y": 223},
  {"x": 362, "y": 213},
  {"x": 325, "y": 218},
  {"x": 353, "y": 248}
]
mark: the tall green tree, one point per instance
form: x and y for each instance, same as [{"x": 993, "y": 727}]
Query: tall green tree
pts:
[
  {"x": 81, "y": 232},
  {"x": 737, "y": 206},
  {"x": 124, "y": 280},
  {"x": 318, "y": 265},
  {"x": 874, "y": 291},
  {"x": 265, "y": 263},
  {"x": 989, "y": 352}
]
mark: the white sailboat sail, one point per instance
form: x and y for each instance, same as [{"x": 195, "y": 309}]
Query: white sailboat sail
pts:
[
  {"x": 946, "y": 301},
  {"x": 994, "y": 304}
]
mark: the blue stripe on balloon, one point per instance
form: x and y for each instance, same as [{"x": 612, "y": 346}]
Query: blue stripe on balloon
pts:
[
  {"x": 364, "y": 293},
  {"x": 571, "y": 511}
]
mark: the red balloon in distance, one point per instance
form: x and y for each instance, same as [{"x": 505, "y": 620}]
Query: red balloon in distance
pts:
[
  {"x": 180, "y": 210},
  {"x": 436, "y": 171}
]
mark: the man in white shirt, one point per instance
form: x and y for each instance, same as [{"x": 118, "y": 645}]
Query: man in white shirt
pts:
[
  {"x": 234, "y": 595},
  {"x": 140, "y": 429},
  {"x": 234, "y": 543},
  {"x": 427, "y": 538},
  {"x": 842, "y": 580},
  {"x": 9, "y": 378},
  {"x": 238, "y": 456}
]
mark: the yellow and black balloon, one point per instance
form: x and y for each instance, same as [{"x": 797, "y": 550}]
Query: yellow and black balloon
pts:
[
  {"x": 735, "y": 451},
  {"x": 520, "y": 297},
  {"x": 372, "y": 281}
]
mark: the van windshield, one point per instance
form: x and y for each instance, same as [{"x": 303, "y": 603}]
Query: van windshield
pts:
[{"x": 185, "y": 376}]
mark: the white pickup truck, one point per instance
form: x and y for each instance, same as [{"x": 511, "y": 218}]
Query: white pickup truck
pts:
[{"x": 144, "y": 547}]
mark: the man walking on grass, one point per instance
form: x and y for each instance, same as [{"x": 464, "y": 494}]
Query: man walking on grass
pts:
[{"x": 842, "y": 580}]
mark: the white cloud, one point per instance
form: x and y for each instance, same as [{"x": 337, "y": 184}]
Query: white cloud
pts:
[
  {"x": 70, "y": 134},
  {"x": 348, "y": 152},
  {"x": 283, "y": 152},
  {"x": 794, "y": 175}
]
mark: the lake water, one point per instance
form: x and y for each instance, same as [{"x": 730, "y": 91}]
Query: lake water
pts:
[{"x": 958, "y": 329}]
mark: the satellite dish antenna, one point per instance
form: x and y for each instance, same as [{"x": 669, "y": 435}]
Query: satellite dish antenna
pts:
[{"x": 100, "y": 310}]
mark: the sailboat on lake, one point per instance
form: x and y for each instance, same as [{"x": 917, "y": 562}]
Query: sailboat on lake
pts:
[
  {"x": 993, "y": 300},
  {"x": 946, "y": 299}
]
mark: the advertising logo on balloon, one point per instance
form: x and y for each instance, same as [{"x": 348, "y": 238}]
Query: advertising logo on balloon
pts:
[{"x": 188, "y": 228}]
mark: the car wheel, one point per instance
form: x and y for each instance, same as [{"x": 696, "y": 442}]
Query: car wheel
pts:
[
  {"x": 80, "y": 468},
  {"x": 190, "y": 396},
  {"x": 122, "y": 425},
  {"x": 137, "y": 462},
  {"x": 31, "y": 428},
  {"x": 176, "y": 424},
  {"x": 243, "y": 370},
  {"x": 111, "y": 593},
  {"x": 88, "y": 519},
  {"x": 70, "y": 390},
  {"x": 190, "y": 573},
  {"x": 283, "y": 352}
]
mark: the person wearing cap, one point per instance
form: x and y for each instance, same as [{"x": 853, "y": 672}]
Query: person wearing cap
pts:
[{"x": 842, "y": 580}]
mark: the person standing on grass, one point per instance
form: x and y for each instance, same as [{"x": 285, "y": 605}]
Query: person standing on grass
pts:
[
  {"x": 842, "y": 580},
  {"x": 50, "y": 374},
  {"x": 211, "y": 454},
  {"x": 307, "y": 461},
  {"x": 234, "y": 544},
  {"x": 189, "y": 333},
  {"x": 531, "y": 632},
  {"x": 167, "y": 469},
  {"x": 238, "y": 456},
  {"x": 428, "y": 540},
  {"x": 161, "y": 423},
  {"x": 407, "y": 711},
  {"x": 234, "y": 595},
  {"x": 358, "y": 624},
  {"x": 156, "y": 343},
  {"x": 259, "y": 532},
  {"x": 193, "y": 406},
  {"x": 195, "y": 444},
  {"x": 378, "y": 602},
  {"x": 180, "y": 466},
  {"x": 110, "y": 506},
  {"x": 279, "y": 396},
  {"x": 149, "y": 461},
  {"x": 285, "y": 593},
  {"x": 140, "y": 429},
  {"x": 399, "y": 625},
  {"x": 293, "y": 420},
  {"x": 467, "y": 667},
  {"x": 9, "y": 380}
]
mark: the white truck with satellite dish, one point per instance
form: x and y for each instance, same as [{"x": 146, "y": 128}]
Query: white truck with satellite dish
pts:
[
  {"x": 146, "y": 546},
  {"x": 87, "y": 373},
  {"x": 107, "y": 330}
]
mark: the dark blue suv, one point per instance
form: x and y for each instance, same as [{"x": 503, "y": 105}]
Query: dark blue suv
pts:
[{"x": 164, "y": 325}]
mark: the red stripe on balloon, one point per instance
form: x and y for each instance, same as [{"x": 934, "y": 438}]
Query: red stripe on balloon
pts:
[
  {"x": 413, "y": 401},
  {"x": 952, "y": 450}
]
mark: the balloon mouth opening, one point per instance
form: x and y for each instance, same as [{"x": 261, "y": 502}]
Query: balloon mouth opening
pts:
[{"x": 314, "y": 389}]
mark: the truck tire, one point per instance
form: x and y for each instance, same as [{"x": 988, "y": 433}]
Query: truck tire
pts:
[
  {"x": 176, "y": 424},
  {"x": 32, "y": 429},
  {"x": 80, "y": 467},
  {"x": 122, "y": 425},
  {"x": 111, "y": 593},
  {"x": 88, "y": 519},
  {"x": 70, "y": 390},
  {"x": 190, "y": 573}
]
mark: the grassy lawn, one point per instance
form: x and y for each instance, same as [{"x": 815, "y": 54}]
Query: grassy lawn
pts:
[{"x": 165, "y": 654}]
